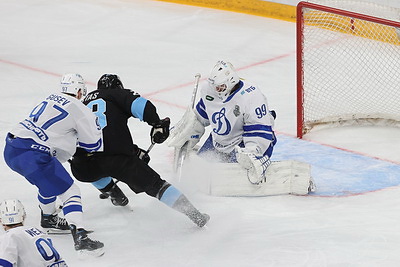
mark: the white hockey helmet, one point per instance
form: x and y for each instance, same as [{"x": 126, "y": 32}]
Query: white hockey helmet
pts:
[
  {"x": 223, "y": 78},
  {"x": 71, "y": 83},
  {"x": 12, "y": 212}
]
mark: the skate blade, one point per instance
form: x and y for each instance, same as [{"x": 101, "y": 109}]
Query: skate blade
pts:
[
  {"x": 84, "y": 254},
  {"x": 60, "y": 232},
  {"x": 128, "y": 207},
  {"x": 54, "y": 231}
]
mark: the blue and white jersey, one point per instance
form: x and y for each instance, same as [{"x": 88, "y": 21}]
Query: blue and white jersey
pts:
[
  {"x": 61, "y": 122},
  {"x": 28, "y": 247},
  {"x": 243, "y": 116}
]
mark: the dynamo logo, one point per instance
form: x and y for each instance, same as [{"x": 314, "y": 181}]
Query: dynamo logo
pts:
[{"x": 223, "y": 126}]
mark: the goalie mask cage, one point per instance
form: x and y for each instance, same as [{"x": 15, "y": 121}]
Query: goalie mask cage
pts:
[{"x": 348, "y": 68}]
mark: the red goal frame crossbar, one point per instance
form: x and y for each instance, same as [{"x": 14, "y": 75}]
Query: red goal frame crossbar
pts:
[{"x": 299, "y": 47}]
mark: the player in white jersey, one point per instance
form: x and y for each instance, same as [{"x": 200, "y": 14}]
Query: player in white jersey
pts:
[
  {"x": 38, "y": 145},
  {"x": 240, "y": 120},
  {"x": 24, "y": 246}
]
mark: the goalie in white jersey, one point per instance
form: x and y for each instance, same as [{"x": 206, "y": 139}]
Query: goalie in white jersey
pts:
[
  {"x": 241, "y": 122},
  {"x": 38, "y": 145},
  {"x": 24, "y": 246}
]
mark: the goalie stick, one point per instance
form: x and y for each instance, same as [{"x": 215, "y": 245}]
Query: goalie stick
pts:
[{"x": 180, "y": 154}]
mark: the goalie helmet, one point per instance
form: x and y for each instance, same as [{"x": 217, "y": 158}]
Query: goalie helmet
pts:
[
  {"x": 12, "y": 212},
  {"x": 223, "y": 78},
  {"x": 109, "y": 81},
  {"x": 71, "y": 83}
]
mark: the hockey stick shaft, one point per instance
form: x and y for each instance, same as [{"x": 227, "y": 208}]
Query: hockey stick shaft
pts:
[
  {"x": 196, "y": 87},
  {"x": 150, "y": 148}
]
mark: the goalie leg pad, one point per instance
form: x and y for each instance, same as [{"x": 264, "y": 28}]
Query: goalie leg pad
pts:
[
  {"x": 230, "y": 179},
  {"x": 282, "y": 177}
]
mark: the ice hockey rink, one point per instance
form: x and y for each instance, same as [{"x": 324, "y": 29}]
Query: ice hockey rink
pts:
[{"x": 157, "y": 48}]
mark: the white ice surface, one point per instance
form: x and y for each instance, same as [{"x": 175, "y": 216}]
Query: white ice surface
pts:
[{"x": 157, "y": 48}]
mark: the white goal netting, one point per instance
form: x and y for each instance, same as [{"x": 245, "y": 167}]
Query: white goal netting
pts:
[{"x": 348, "y": 64}]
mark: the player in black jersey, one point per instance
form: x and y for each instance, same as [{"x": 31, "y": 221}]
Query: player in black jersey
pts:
[{"x": 121, "y": 158}]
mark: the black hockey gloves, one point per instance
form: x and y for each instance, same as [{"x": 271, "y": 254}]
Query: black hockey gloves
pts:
[
  {"x": 141, "y": 153},
  {"x": 160, "y": 131}
]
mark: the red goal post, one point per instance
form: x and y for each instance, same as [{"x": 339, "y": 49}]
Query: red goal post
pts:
[{"x": 348, "y": 68}]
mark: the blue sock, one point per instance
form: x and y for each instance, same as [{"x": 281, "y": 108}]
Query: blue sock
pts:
[
  {"x": 103, "y": 182},
  {"x": 170, "y": 196}
]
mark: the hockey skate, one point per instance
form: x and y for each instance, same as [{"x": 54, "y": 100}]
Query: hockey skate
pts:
[
  {"x": 183, "y": 205},
  {"x": 84, "y": 245},
  {"x": 53, "y": 224},
  {"x": 118, "y": 197},
  {"x": 199, "y": 218}
]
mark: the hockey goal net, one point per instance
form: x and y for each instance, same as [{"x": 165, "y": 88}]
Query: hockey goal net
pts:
[{"x": 348, "y": 65}]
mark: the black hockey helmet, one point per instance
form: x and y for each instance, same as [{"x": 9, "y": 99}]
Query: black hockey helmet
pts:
[{"x": 109, "y": 81}]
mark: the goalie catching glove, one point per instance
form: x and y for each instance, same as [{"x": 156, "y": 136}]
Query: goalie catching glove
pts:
[
  {"x": 188, "y": 129},
  {"x": 256, "y": 166},
  {"x": 160, "y": 131}
]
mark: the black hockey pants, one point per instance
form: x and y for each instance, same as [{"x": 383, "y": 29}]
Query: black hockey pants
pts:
[{"x": 140, "y": 177}]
